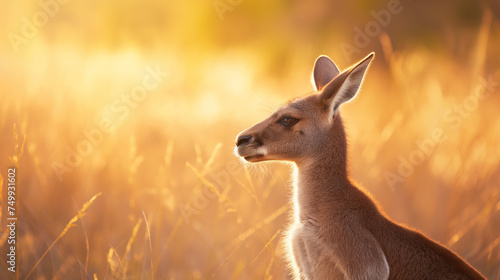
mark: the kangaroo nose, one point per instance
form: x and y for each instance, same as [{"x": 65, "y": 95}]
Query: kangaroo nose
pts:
[{"x": 244, "y": 140}]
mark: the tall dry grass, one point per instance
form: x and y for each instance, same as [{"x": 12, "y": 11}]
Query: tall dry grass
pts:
[{"x": 175, "y": 203}]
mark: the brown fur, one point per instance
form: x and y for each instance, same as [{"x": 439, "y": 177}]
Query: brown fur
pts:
[{"x": 339, "y": 232}]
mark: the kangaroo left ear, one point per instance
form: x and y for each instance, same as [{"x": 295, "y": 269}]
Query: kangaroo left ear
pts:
[
  {"x": 323, "y": 72},
  {"x": 345, "y": 86}
]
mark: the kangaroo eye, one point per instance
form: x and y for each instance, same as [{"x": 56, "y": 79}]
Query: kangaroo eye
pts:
[{"x": 288, "y": 121}]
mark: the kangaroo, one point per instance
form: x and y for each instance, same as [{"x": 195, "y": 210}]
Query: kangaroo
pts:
[{"x": 338, "y": 231}]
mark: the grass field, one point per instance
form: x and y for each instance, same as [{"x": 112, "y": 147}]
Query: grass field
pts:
[{"x": 122, "y": 138}]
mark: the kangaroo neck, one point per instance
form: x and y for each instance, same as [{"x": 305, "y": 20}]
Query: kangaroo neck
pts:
[{"x": 323, "y": 178}]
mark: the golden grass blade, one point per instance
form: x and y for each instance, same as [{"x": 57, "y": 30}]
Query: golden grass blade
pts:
[
  {"x": 385, "y": 42},
  {"x": 170, "y": 238},
  {"x": 211, "y": 159},
  {"x": 114, "y": 265},
  {"x": 249, "y": 179},
  {"x": 19, "y": 149},
  {"x": 236, "y": 244},
  {"x": 70, "y": 224},
  {"x": 259, "y": 225},
  {"x": 150, "y": 246},
  {"x": 33, "y": 152},
  {"x": 489, "y": 249},
  {"x": 225, "y": 194},
  {"x": 87, "y": 244},
  {"x": 172, "y": 234},
  {"x": 87, "y": 247},
  {"x": 249, "y": 191},
  {"x": 199, "y": 158},
  {"x": 125, "y": 259},
  {"x": 225, "y": 260},
  {"x": 484, "y": 213},
  {"x": 482, "y": 43},
  {"x": 262, "y": 251},
  {"x": 203, "y": 180},
  {"x": 248, "y": 233},
  {"x": 210, "y": 185},
  {"x": 268, "y": 269},
  {"x": 269, "y": 188}
]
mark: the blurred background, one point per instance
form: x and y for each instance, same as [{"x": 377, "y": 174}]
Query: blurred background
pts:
[{"x": 141, "y": 101}]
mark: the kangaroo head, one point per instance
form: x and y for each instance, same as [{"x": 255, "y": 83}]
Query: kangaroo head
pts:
[{"x": 299, "y": 130}]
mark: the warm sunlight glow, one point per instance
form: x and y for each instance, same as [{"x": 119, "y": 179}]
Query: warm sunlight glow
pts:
[{"x": 141, "y": 101}]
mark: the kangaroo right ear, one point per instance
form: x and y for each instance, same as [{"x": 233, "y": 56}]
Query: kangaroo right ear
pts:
[
  {"x": 345, "y": 86},
  {"x": 323, "y": 72}
]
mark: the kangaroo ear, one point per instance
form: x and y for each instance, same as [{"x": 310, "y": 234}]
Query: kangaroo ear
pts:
[
  {"x": 345, "y": 86},
  {"x": 323, "y": 72}
]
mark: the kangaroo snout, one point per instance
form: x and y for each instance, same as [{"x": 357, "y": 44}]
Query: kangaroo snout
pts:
[
  {"x": 249, "y": 147},
  {"x": 244, "y": 140}
]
